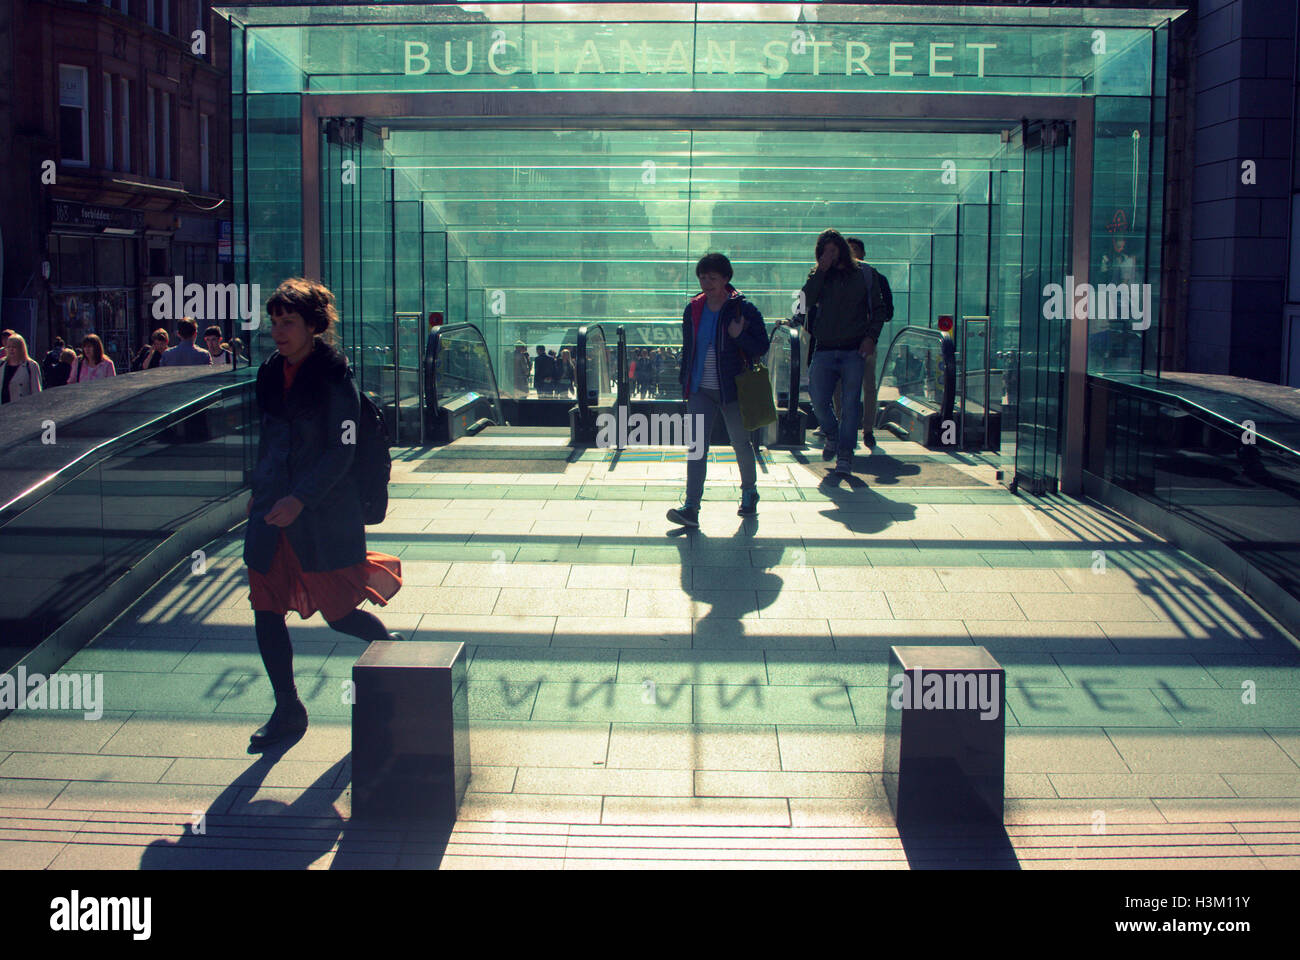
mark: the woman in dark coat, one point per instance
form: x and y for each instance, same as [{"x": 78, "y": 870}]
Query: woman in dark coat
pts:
[{"x": 305, "y": 545}]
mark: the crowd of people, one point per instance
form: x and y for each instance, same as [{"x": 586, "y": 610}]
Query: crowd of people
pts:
[
  {"x": 62, "y": 365},
  {"x": 652, "y": 372},
  {"x": 552, "y": 375}
]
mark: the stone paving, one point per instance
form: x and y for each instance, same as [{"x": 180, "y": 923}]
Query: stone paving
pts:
[{"x": 643, "y": 697}]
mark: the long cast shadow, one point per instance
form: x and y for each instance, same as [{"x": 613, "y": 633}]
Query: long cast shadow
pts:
[{"x": 311, "y": 828}]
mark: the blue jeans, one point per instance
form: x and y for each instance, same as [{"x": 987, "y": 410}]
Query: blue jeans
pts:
[{"x": 827, "y": 368}]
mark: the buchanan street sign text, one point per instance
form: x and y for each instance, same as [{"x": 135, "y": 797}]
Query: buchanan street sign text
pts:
[{"x": 893, "y": 58}]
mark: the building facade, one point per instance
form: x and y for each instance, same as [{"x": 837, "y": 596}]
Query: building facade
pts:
[{"x": 116, "y": 144}]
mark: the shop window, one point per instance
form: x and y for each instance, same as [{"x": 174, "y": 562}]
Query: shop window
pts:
[
  {"x": 55, "y": 271},
  {"x": 110, "y": 262},
  {"x": 158, "y": 262},
  {"x": 76, "y": 268}
]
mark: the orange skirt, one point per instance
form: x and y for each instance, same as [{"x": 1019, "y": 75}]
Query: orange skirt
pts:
[{"x": 335, "y": 593}]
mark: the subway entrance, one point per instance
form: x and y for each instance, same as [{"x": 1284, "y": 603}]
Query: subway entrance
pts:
[{"x": 534, "y": 234}]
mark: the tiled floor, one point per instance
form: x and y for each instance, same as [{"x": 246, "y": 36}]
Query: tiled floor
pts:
[{"x": 642, "y": 697}]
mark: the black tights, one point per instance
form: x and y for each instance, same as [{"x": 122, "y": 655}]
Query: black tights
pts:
[{"x": 277, "y": 652}]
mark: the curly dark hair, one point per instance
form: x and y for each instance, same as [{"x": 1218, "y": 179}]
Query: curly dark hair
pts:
[{"x": 311, "y": 300}]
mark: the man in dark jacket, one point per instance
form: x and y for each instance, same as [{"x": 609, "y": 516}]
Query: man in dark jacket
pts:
[
  {"x": 543, "y": 372},
  {"x": 721, "y": 332},
  {"x": 836, "y": 299},
  {"x": 881, "y": 303},
  {"x": 50, "y": 365}
]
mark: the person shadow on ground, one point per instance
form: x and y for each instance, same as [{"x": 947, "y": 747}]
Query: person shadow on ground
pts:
[{"x": 260, "y": 834}]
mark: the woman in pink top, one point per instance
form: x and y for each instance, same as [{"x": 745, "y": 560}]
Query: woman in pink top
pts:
[{"x": 92, "y": 365}]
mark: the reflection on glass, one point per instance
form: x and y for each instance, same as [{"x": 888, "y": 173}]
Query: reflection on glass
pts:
[
  {"x": 463, "y": 373},
  {"x": 87, "y": 528},
  {"x": 913, "y": 368}
]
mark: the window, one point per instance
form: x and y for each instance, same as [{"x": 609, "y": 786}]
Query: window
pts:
[
  {"x": 203, "y": 152},
  {"x": 158, "y": 14},
  {"x": 110, "y": 262},
  {"x": 151, "y": 133},
  {"x": 124, "y": 123},
  {"x": 74, "y": 116},
  {"x": 76, "y": 262},
  {"x": 165, "y": 144},
  {"x": 108, "y": 122}
]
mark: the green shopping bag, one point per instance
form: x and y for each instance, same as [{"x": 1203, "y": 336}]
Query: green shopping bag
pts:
[{"x": 754, "y": 392}]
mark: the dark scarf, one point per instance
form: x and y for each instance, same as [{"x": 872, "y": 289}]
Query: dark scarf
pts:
[{"x": 308, "y": 396}]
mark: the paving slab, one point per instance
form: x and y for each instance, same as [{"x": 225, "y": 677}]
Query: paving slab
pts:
[
  {"x": 1204, "y": 750},
  {"x": 604, "y": 782},
  {"x": 694, "y": 747},
  {"x": 696, "y": 810},
  {"x": 764, "y": 704},
  {"x": 93, "y": 767}
]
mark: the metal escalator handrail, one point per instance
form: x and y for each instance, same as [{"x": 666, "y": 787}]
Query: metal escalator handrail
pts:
[
  {"x": 106, "y": 449},
  {"x": 623, "y": 394},
  {"x": 947, "y": 357},
  {"x": 583, "y": 369},
  {"x": 928, "y": 332},
  {"x": 432, "y": 360},
  {"x": 792, "y": 336},
  {"x": 1169, "y": 398}
]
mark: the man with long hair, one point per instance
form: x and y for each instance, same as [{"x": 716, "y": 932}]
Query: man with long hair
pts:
[{"x": 836, "y": 300}]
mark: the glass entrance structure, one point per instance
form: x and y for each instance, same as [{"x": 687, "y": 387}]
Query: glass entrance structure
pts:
[{"x": 536, "y": 168}]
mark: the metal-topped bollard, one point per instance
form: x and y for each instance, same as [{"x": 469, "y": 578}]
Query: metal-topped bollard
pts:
[
  {"x": 410, "y": 731},
  {"x": 945, "y": 748}
]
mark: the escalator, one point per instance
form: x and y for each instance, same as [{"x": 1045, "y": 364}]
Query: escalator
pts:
[
  {"x": 935, "y": 395},
  {"x": 461, "y": 396}
]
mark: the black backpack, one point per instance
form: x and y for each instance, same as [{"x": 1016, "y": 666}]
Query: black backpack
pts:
[{"x": 372, "y": 466}]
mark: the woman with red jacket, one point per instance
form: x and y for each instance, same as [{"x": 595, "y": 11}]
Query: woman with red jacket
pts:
[{"x": 721, "y": 332}]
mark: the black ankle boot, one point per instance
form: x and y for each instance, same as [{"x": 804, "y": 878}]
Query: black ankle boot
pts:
[{"x": 287, "y": 720}]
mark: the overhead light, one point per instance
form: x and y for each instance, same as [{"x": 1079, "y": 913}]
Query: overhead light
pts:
[{"x": 117, "y": 231}]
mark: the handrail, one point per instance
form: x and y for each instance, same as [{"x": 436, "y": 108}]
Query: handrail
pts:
[
  {"x": 438, "y": 333},
  {"x": 624, "y": 388},
  {"x": 584, "y": 396},
  {"x": 1217, "y": 419},
  {"x": 947, "y": 354},
  {"x": 787, "y": 416},
  {"x": 927, "y": 331},
  {"x": 106, "y": 449}
]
